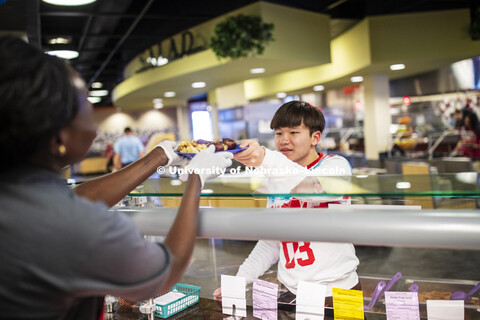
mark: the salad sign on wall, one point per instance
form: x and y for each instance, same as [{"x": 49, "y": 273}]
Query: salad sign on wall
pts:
[
  {"x": 157, "y": 55},
  {"x": 235, "y": 37}
]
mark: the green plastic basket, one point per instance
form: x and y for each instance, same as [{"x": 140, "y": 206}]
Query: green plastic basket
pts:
[{"x": 192, "y": 296}]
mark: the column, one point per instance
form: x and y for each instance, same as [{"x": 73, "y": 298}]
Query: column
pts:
[
  {"x": 183, "y": 123},
  {"x": 216, "y": 129},
  {"x": 377, "y": 117}
]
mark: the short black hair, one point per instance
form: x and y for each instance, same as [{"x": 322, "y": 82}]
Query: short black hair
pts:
[
  {"x": 37, "y": 99},
  {"x": 127, "y": 129},
  {"x": 293, "y": 113}
]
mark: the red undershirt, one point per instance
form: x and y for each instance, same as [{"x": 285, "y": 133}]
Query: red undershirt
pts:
[{"x": 295, "y": 203}]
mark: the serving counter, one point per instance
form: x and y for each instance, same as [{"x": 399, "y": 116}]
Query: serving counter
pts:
[{"x": 396, "y": 222}]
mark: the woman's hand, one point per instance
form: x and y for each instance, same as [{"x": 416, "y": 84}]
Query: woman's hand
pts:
[
  {"x": 169, "y": 150},
  {"x": 208, "y": 164}
]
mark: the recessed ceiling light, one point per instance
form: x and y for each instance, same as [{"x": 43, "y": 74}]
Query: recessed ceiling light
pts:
[
  {"x": 318, "y": 88},
  {"x": 64, "y": 54},
  {"x": 59, "y": 40},
  {"x": 69, "y": 2},
  {"x": 98, "y": 93},
  {"x": 257, "y": 70},
  {"x": 94, "y": 99},
  {"x": 169, "y": 94},
  {"x": 97, "y": 85},
  {"x": 281, "y": 95},
  {"x": 160, "y": 61},
  {"x": 356, "y": 79},
  {"x": 398, "y": 66},
  {"x": 157, "y": 100},
  {"x": 199, "y": 84}
]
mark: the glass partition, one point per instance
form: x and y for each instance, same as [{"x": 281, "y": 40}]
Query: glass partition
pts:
[
  {"x": 464, "y": 184},
  {"x": 438, "y": 271}
]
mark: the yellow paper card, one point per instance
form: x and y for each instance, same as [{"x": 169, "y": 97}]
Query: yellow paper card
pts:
[{"x": 347, "y": 304}]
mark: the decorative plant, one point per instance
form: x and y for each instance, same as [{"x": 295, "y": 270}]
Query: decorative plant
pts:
[{"x": 238, "y": 36}]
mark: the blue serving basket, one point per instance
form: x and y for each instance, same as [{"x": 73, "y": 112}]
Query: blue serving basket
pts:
[{"x": 192, "y": 296}]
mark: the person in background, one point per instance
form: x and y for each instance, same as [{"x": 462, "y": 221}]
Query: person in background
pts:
[
  {"x": 298, "y": 127},
  {"x": 458, "y": 119},
  {"x": 403, "y": 137},
  {"x": 61, "y": 249},
  {"x": 469, "y": 143},
  {"x": 128, "y": 149},
  {"x": 405, "y": 128}
]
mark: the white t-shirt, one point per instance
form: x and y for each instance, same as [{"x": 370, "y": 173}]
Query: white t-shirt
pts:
[{"x": 330, "y": 264}]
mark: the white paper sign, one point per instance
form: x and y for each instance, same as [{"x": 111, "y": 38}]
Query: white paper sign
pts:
[
  {"x": 310, "y": 301},
  {"x": 233, "y": 287},
  {"x": 233, "y": 295},
  {"x": 234, "y": 306},
  {"x": 445, "y": 309}
]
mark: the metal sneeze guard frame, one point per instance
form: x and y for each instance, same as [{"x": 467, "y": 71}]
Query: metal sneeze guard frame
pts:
[{"x": 448, "y": 229}]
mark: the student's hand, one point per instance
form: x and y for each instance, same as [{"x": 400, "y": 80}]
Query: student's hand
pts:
[
  {"x": 169, "y": 149},
  {"x": 208, "y": 164},
  {"x": 253, "y": 156},
  {"x": 217, "y": 294}
]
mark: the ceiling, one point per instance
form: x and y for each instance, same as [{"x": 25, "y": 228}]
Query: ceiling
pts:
[{"x": 109, "y": 33}]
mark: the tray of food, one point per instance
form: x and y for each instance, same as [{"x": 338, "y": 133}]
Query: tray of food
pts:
[
  {"x": 369, "y": 288},
  {"x": 189, "y": 149},
  {"x": 369, "y": 284},
  {"x": 443, "y": 289}
]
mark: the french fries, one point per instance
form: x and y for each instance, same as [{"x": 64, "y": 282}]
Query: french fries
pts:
[{"x": 190, "y": 147}]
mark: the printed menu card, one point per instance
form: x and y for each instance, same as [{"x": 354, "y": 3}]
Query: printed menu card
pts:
[
  {"x": 347, "y": 304},
  {"x": 264, "y": 299},
  {"x": 402, "y": 305}
]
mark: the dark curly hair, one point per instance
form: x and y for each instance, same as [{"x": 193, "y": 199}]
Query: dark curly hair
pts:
[
  {"x": 293, "y": 113},
  {"x": 37, "y": 100}
]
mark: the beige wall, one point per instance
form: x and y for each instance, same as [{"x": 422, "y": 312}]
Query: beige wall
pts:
[{"x": 109, "y": 119}]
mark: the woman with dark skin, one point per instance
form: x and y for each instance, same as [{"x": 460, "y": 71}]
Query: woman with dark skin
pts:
[{"x": 62, "y": 251}]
